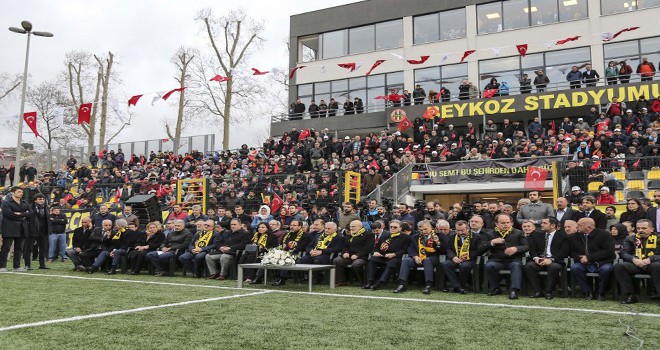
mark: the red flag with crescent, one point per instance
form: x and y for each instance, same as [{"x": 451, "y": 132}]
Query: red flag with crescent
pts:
[
  {"x": 293, "y": 71},
  {"x": 84, "y": 113},
  {"x": 535, "y": 178},
  {"x": 350, "y": 66},
  {"x": 522, "y": 49},
  {"x": 134, "y": 100},
  {"x": 466, "y": 54},
  {"x": 169, "y": 93},
  {"x": 376, "y": 64},
  {"x": 31, "y": 121},
  {"x": 419, "y": 61}
]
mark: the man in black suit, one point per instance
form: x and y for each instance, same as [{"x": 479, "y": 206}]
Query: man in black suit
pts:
[
  {"x": 462, "y": 251},
  {"x": 547, "y": 250},
  {"x": 592, "y": 250},
  {"x": 563, "y": 212},
  {"x": 641, "y": 255},
  {"x": 424, "y": 250},
  {"x": 590, "y": 211},
  {"x": 653, "y": 214},
  {"x": 507, "y": 246},
  {"x": 387, "y": 253},
  {"x": 79, "y": 242}
]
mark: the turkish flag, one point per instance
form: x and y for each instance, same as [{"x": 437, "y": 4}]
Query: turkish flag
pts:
[
  {"x": 165, "y": 140},
  {"x": 219, "y": 78},
  {"x": 169, "y": 93},
  {"x": 374, "y": 165},
  {"x": 404, "y": 125},
  {"x": 293, "y": 71},
  {"x": 564, "y": 41},
  {"x": 304, "y": 134},
  {"x": 376, "y": 64},
  {"x": 258, "y": 72},
  {"x": 431, "y": 112},
  {"x": 522, "y": 49},
  {"x": 444, "y": 151},
  {"x": 31, "y": 121},
  {"x": 535, "y": 178},
  {"x": 596, "y": 165},
  {"x": 466, "y": 54},
  {"x": 350, "y": 66},
  {"x": 420, "y": 61},
  {"x": 133, "y": 100},
  {"x": 276, "y": 168},
  {"x": 488, "y": 93},
  {"x": 276, "y": 203},
  {"x": 636, "y": 164},
  {"x": 84, "y": 113}
]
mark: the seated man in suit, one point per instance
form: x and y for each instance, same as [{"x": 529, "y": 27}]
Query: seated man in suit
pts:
[
  {"x": 296, "y": 242},
  {"x": 146, "y": 242},
  {"x": 387, "y": 254},
  {"x": 592, "y": 250},
  {"x": 507, "y": 246},
  {"x": 79, "y": 242},
  {"x": 324, "y": 245},
  {"x": 547, "y": 250},
  {"x": 231, "y": 243},
  {"x": 462, "y": 252},
  {"x": 423, "y": 251},
  {"x": 202, "y": 242},
  {"x": 641, "y": 255},
  {"x": 653, "y": 214},
  {"x": 355, "y": 251}
]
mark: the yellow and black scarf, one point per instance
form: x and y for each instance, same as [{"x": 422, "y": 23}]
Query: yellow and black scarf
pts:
[
  {"x": 503, "y": 234},
  {"x": 386, "y": 245},
  {"x": 260, "y": 240},
  {"x": 425, "y": 246},
  {"x": 324, "y": 241},
  {"x": 204, "y": 240},
  {"x": 292, "y": 244},
  {"x": 649, "y": 246},
  {"x": 118, "y": 234},
  {"x": 463, "y": 252},
  {"x": 356, "y": 234}
]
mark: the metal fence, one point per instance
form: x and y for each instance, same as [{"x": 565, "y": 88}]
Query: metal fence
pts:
[{"x": 396, "y": 187}]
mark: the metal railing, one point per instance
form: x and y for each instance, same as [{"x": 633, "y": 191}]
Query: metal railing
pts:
[
  {"x": 379, "y": 106},
  {"x": 395, "y": 188}
]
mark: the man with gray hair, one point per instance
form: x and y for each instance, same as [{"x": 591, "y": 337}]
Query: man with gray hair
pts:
[
  {"x": 111, "y": 241},
  {"x": 236, "y": 240},
  {"x": 175, "y": 243},
  {"x": 443, "y": 227},
  {"x": 192, "y": 219}
]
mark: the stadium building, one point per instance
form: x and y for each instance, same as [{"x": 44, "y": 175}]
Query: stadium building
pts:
[{"x": 509, "y": 39}]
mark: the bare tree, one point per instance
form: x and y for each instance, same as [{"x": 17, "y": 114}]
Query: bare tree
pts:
[
  {"x": 48, "y": 98},
  {"x": 8, "y": 84},
  {"x": 182, "y": 60},
  {"x": 233, "y": 38},
  {"x": 105, "y": 70}
]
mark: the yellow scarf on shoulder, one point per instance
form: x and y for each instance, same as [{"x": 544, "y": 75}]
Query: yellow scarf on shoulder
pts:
[
  {"x": 260, "y": 240},
  {"x": 464, "y": 251},
  {"x": 325, "y": 242},
  {"x": 425, "y": 246},
  {"x": 649, "y": 247},
  {"x": 204, "y": 240},
  {"x": 118, "y": 234},
  {"x": 386, "y": 245},
  {"x": 356, "y": 234},
  {"x": 503, "y": 234}
]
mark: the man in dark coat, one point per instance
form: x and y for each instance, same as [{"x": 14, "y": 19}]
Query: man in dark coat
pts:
[
  {"x": 15, "y": 217},
  {"x": 592, "y": 250},
  {"x": 39, "y": 226}
]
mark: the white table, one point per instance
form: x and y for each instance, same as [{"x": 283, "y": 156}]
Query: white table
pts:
[{"x": 310, "y": 268}]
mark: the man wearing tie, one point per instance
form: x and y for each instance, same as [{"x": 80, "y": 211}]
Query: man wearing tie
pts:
[
  {"x": 564, "y": 212},
  {"x": 592, "y": 250},
  {"x": 462, "y": 252},
  {"x": 653, "y": 214},
  {"x": 590, "y": 211},
  {"x": 641, "y": 255},
  {"x": 547, "y": 250},
  {"x": 424, "y": 250}
]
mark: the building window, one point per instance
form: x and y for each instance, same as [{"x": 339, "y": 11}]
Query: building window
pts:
[
  {"x": 453, "y": 24},
  {"x": 389, "y": 35},
  {"x": 610, "y": 7},
  {"x": 555, "y": 64},
  {"x": 334, "y": 44},
  {"x": 632, "y": 53},
  {"x": 365, "y": 88},
  {"x": 426, "y": 29},
  {"x": 513, "y": 14},
  {"x": 435, "y": 78},
  {"x": 309, "y": 48},
  {"x": 361, "y": 39}
]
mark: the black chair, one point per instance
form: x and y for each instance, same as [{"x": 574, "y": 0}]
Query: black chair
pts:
[
  {"x": 563, "y": 277},
  {"x": 475, "y": 274},
  {"x": 504, "y": 272},
  {"x": 595, "y": 277},
  {"x": 634, "y": 194},
  {"x": 654, "y": 184},
  {"x": 635, "y": 175}
]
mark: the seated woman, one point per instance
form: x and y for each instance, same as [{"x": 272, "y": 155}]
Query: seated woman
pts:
[
  {"x": 635, "y": 212},
  {"x": 262, "y": 240},
  {"x": 148, "y": 241},
  {"x": 263, "y": 216}
]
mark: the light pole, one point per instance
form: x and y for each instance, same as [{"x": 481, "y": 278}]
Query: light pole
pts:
[{"x": 27, "y": 29}]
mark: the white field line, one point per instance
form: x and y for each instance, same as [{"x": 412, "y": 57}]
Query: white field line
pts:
[
  {"x": 129, "y": 311},
  {"x": 372, "y": 297}
]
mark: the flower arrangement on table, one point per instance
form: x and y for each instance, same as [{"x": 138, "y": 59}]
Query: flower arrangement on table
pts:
[{"x": 279, "y": 257}]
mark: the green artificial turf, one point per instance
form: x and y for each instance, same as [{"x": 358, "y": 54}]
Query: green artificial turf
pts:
[{"x": 280, "y": 320}]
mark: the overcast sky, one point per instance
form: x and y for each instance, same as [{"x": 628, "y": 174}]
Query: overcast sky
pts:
[{"x": 143, "y": 35}]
